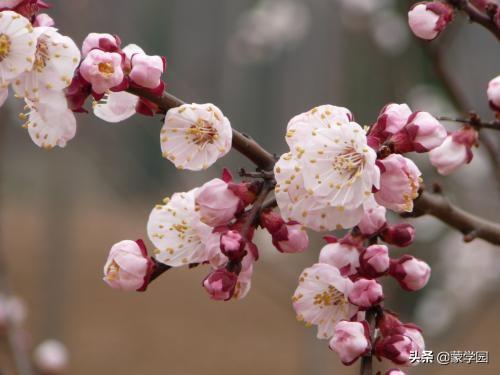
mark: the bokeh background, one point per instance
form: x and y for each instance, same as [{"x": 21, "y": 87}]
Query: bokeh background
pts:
[{"x": 262, "y": 62}]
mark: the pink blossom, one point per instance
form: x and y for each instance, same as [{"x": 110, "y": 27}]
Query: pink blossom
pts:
[
  {"x": 493, "y": 93},
  {"x": 128, "y": 267},
  {"x": 105, "y": 42},
  {"x": 232, "y": 245},
  {"x": 373, "y": 219},
  {"x": 366, "y": 293},
  {"x": 374, "y": 261},
  {"x": 400, "y": 235},
  {"x": 147, "y": 70},
  {"x": 422, "y": 133},
  {"x": 102, "y": 70},
  {"x": 428, "y": 19},
  {"x": 51, "y": 357},
  {"x": 43, "y": 19},
  {"x": 217, "y": 203},
  {"x": 343, "y": 256},
  {"x": 351, "y": 340},
  {"x": 391, "y": 119},
  {"x": 296, "y": 240},
  {"x": 220, "y": 284},
  {"x": 395, "y": 371},
  {"x": 455, "y": 151},
  {"x": 397, "y": 348},
  {"x": 399, "y": 183},
  {"x": 411, "y": 273}
]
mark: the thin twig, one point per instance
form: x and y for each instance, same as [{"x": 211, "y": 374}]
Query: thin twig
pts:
[
  {"x": 477, "y": 16},
  {"x": 477, "y": 123}
]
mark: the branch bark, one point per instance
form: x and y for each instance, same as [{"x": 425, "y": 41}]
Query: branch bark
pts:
[{"x": 477, "y": 16}]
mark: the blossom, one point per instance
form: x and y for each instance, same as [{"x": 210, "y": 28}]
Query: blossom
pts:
[
  {"x": 391, "y": 119},
  {"x": 43, "y": 19},
  {"x": 411, "y": 273},
  {"x": 178, "y": 233},
  {"x": 321, "y": 298},
  {"x": 428, "y": 19},
  {"x": 288, "y": 237},
  {"x": 397, "y": 348},
  {"x": 232, "y": 245},
  {"x": 50, "y": 122},
  {"x": 399, "y": 183},
  {"x": 422, "y": 133},
  {"x": 298, "y": 204},
  {"x": 351, "y": 340},
  {"x": 374, "y": 261},
  {"x": 103, "y": 41},
  {"x": 455, "y": 151},
  {"x": 342, "y": 255},
  {"x": 493, "y": 93},
  {"x": 56, "y": 59},
  {"x": 51, "y": 357},
  {"x": 221, "y": 284},
  {"x": 194, "y": 136},
  {"x": 366, "y": 293},
  {"x": 17, "y": 46},
  {"x": 147, "y": 70},
  {"x": 128, "y": 267},
  {"x": 373, "y": 219},
  {"x": 217, "y": 203},
  {"x": 337, "y": 166},
  {"x": 103, "y": 70}
]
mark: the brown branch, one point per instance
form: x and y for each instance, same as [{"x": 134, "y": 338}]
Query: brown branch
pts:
[
  {"x": 470, "y": 225},
  {"x": 473, "y": 120},
  {"x": 241, "y": 142},
  {"x": 475, "y": 15}
]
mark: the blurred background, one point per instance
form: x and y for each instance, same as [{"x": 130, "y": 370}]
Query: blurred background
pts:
[{"x": 261, "y": 62}]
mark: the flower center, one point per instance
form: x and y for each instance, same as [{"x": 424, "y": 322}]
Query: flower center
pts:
[
  {"x": 4, "y": 46},
  {"x": 113, "y": 271},
  {"x": 41, "y": 56},
  {"x": 202, "y": 132},
  {"x": 330, "y": 297},
  {"x": 107, "y": 69},
  {"x": 349, "y": 163}
]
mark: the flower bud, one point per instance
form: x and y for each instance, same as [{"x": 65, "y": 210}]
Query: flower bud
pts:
[
  {"x": 400, "y": 235},
  {"x": 296, "y": 240},
  {"x": 232, "y": 245},
  {"x": 351, "y": 340},
  {"x": 105, "y": 42},
  {"x": 103, "y": 70},
  {"x": 43, "y": 19},
  {"x": 411, "y": 273},
  {"x": 374, "y": 261},
  {"x": 395, "y": 371},
  {"x": 373, "y": 220},
  {"x": 422, "y": 133},
  {"x": 494, "y": 92},
  {"x": 391, "y": 119},
  {"x": 428, "y": 19},
  {"x": 147, "y": 70},
  {"x": 343, "y": 256},
  {"x": 396, "y": 348},
  {"x": 455, "y": 151},
  {"x": 128, "y": 266},
  {"x": 51, "y": 358},
  {"x": 220, "y": 284},
  {"x": 399, "y": 183},
  {"x": 272, "y": 221},
  {"x": 216, "y": 202},
  {"x": 366, "y": 293}
]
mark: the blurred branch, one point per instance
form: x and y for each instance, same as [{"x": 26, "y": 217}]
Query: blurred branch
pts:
[
  {"x": 485, "y": 19},
  {"x": 473, "y": 120}
]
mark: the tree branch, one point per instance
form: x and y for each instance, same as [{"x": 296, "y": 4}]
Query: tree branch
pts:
[
  {"x": 473, "y": 120},
  {"x": 477, "y": 16}
]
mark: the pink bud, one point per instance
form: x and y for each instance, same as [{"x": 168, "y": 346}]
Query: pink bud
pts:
[
  {"x": 395, "y": 371},
  {"x": 401, "y": 235},
  {"x": 296, "y": 240},
  {"x": 102, "y": 70},
  {"x": 374, "y": 261},
  {"x": 43, "y": 19},
  {"x": 232, "y": 245},
  {"x": 428, "y": 19},
  {"x": 105, "y": 42},
  {"x": 455, "y": 151},
  {"x": 77, "y": 93},
  {"x": 272, "y": 221},
  {"x": 216, "y": 202},
  {"x": 147, "y": 70},
  {"x": 411, "y": 273},
  {"x": 128, "y": 267},
  {"x": 343, "y": 256},
  {"x": 220, "y": 284},
  {"x": 422, "y": 133},
  {"x": 493, "y": 92},
  {"x": 351, "y": 340},
  {"x": 373, "y": 220},
  {"x": 391, "y": 119},
  {"x": 366, "y": 293},
  {"x": 399, "y": 183},
  {"x": 51, "y": 357},
  {"x": 396, "y": 348}
]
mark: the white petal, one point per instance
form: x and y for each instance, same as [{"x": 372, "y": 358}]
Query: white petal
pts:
[{"x": 116, "y": 106}]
